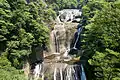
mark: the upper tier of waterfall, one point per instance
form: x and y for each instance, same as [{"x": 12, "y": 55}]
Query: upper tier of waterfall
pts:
[{"x": 70, "y": 15}]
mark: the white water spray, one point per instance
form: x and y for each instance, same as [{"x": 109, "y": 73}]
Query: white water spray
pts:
[
  {"x": 55, "y": 71},
  {"x": 61, "y": 74},
  {"x": 37, "y": 71}
]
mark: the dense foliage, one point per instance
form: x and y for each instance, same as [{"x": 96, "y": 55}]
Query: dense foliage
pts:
[
  {"x": 22, "y": 27},
  {"x": 64, "y": 4},
  {"x": 102, "y": 37}
]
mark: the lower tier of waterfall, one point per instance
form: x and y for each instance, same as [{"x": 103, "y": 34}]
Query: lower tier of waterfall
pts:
[{"x": 58, "y": 71}]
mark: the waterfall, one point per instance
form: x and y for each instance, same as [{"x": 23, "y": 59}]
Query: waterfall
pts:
[
  {"x": 78, "y": 34},
  {"x": 55, "y": 42},
  {"x": 61, "y": 72},
  {"x": 58, "y": 70},
  {"x": 59, "y": 65},
  {"x": 83, "y": 77},
  {"x": 74, "y": 72},
  {"x": 55, "y": 71},
  {"x": 66, "y": 53},
  {"x": 37, "y": 71}
]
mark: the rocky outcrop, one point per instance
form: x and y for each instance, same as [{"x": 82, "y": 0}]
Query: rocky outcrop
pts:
[
  {"x": 69, "y": 15},
  {"x": 61, "y": 37}
]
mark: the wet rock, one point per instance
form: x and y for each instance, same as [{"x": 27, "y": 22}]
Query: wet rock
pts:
[{"x": 69, "y": 15}]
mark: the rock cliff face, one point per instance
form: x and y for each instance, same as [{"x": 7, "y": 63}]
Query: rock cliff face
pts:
[
  {"x": 61, "y": 37},
  {"x": 62, "y": 34}
]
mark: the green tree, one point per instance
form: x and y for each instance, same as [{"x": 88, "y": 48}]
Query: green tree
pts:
[
  {"x": 8, "y": 72},
  {"x": 102, "y": 37},
  {"x": 63, "y": 4},
  {"x": 22, "y": 27}
]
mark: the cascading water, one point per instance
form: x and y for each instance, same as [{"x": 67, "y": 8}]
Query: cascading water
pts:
[
  {"x": 37, "y": 70},
  {"x": 83, "y": 76},
  {"x": 64, "y": 71},
  {"x": 78, "y": 34},
  {"x": 55, "y": 44},
  {"x": 76, "y": 46},
  {"x": 59, "y": 66}
]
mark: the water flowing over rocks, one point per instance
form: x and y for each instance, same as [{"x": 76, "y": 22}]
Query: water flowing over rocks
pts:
[
  {"x": 70, "y": 15},
  {"x": 59, "y": 71},
  {"x": 57, "y": 64},
  {"x": 61, "y": 36}
]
